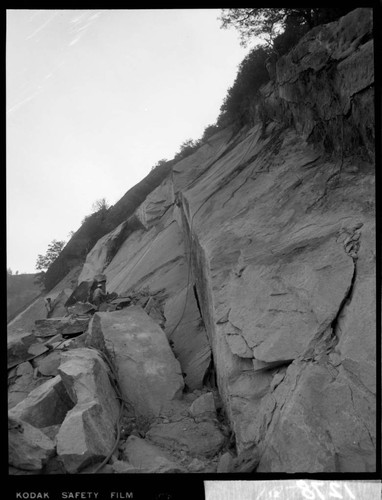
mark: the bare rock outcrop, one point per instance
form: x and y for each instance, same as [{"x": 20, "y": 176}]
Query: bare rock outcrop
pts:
[
  {"x": 324, "y": 85},
  {"x": 70, "y": 419},
  {"x": 261, "y": 245},
  {"x": 29, "y": 448},
  {"x": 202, "y": 438},
  {"x": 88, "y": 432},
  {"x": 143, "y": 358},
  {"x": 45, "y": 406},
  {"x": 147, "y": 457}
]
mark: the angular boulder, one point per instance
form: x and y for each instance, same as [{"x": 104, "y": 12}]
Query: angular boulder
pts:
[
  {"x": 203, "y": 405},
  {"x": 74, "y": 325},
  {"x": 323, "y": 400},
  {"x": 17, "y": 350},
  {"x": 64, "y": 325},
  {"x": 85, "y": 376},
  {"x": 45, "y": 406},
  {"x": 59, "y": 302},
  {"x": 149, "y": 375},
  {"x": 86, "y": 436},
  {"x": 48, "y": 327},
  {"x": 21, "y": 382},
  {"x": 81, "y": 293},
  {"x": 187, "y": 332},
  {"x": 29, "y": 448},
  {"x": 88, "y": 431},
  {"x": 48, "y": 365}
]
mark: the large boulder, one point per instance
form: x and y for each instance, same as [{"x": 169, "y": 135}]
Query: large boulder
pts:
[
  {"x": 59, "y": 302},
  {"x": 21, "y": 382},
  {"x": 185, "y": 328},
  {"x": 45, "y": 406},
  {"x": 155, "y": 258},
  {"x": 149, "y": 375},
  {"x": 68, "y": 325},
  {"x": 204, "y": 405},
  {"x": 48, "y": 365},
  {"x": 85, "y": 376},
  {"x": 86, "y": 436},
  {"x": 29, "y": 448},
  {"x": 81, "y": 293},
  {"x": 18, "y": 349},
  {"x": 48, "y": 327},
  {"x": 88, "y": 431}
]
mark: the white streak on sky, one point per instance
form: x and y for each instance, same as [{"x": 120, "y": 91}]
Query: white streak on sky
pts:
[
  {"x": 42, "y": 26},
  {"x": 24, "y": 101},
  {"x": 94, "y": 99}
]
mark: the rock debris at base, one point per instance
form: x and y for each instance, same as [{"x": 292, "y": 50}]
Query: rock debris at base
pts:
[{"x": 239, "y": 335}]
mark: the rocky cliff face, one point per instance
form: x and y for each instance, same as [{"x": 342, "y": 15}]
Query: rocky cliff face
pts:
[{"x": 260, "y": 251}]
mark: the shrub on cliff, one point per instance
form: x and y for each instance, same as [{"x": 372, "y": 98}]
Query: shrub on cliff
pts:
[
  {"x": 266, "y": 24},
  {"x": 277, "y": 31},
  {"x": 252, "y": 74},
  {"x": 186, "y": 148},
  {"x": 53, "y": 251},
  {"x": 209, "y": 131},
  {"x": 44, "y": 262}
]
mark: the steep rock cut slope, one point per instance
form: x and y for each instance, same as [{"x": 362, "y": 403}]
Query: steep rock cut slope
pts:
[
  {"x": 261, "y": 248},
  {"x": 280, "y": 236}
]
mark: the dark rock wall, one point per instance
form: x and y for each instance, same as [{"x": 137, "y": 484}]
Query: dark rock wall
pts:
[{"x": 324, "y": 86}]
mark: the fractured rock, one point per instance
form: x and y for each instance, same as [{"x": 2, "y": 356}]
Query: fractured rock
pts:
[
  {"x": 196, "y": 465},
  {"x": 226, "y": 463},
  {"x": 74, "y": 325},
  {"x": 148, "y": 457},
  {"x": 59, "y": 308},
  {"x": 47, "y": 405},
  {"x": 86, "y": 436},
  {"x": 64, "y": 326},
  {"x": 81, "y": 293},
  {"x": 202, "y": 438},
  {"x": 88, "y": 431},
  {"x": 85, "y": 377},
  {"x": 322, "y": 400},
  {"x": 21, "y": 383},
  {"x": 247, "y": 461},
  {"x": 149, "y": 375},
  {"x": 191, "y": 345},
  {"x": 48, "y": 327},
  {"x": 48, "y": 365},
  {"x": 51, "y": 431},
  {"x": 203, "y": 405},
  {"x": 37, "y": 349},
  {"x": 18, "y": 349},
  {"x": 29, "y": 448}
]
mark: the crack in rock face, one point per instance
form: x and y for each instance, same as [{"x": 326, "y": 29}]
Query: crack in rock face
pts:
[
  {"x": 279, "y": 327},
  {"x": 260, "y": 355}
]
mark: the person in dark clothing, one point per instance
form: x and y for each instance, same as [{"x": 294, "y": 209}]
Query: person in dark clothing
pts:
[
  {"x": 99, "y": 296},
  {"x": 48, "y": 307}
]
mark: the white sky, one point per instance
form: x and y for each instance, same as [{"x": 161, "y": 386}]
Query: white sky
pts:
[{"x": 94, "y": 99}]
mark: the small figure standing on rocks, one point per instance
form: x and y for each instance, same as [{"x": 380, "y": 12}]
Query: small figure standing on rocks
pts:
[
  {"x": 99, "y": 296},
  {"x": 48, "y": 307}
]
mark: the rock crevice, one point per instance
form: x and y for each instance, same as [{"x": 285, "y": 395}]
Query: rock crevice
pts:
[{"x": 251, "y": 291}]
